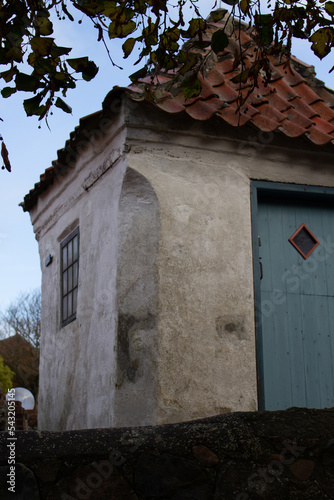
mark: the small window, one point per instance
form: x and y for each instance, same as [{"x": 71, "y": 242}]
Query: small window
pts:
[
  {"x": 304, "y": 241},
  {"x": 69, "y": 267}
]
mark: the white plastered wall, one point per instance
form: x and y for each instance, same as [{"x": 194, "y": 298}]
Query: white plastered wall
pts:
[
  {"x": 202, "y": 178},
  {"x": 77, "y": 362}
]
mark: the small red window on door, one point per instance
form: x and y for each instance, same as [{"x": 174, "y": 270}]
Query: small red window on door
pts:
[{"x": 304, "y": 241}]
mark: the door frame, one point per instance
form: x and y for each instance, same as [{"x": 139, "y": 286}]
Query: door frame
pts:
[{"x": 275, "y": 189}]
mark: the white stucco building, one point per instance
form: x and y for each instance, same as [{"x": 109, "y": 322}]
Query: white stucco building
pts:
[{"x": 172, "y": 276}]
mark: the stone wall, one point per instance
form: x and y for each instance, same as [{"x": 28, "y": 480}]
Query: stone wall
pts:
[{"x": 277, "y": 455}]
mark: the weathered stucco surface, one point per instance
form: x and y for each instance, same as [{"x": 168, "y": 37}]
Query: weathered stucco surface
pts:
[
  {"x": 78, "y": 368},
  {"x": 136, "y": 395},
  {"x": 165, "y": 323}
]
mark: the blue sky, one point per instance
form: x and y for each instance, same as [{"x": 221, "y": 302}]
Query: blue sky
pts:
[{"x": 32, "y": 150}]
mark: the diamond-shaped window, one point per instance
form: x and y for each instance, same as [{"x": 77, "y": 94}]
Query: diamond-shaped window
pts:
[{"x": 304, "y": 241}]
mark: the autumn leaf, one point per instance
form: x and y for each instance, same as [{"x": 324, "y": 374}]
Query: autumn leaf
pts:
[
  {"x": 329, "y": 8},
  {"x": 44, "y": 25},
  {"x": 85, "y": 66},
  {"x": 195, "y": 25},
  {"x": 230, "y": 2},
  {"x": 128, "y": 46},
  {"x": 323, "y": 41},
  {"x": 33, "y": 106},
  {"x": 27, "y": 83},
  {"x": 244, "y": 6},
  {"x": 191, "y": 86},
  {"x": 62, "y": 105},
  {"x": 41, "y": 46},
  {"x": 8, "y": 91},
  {"x": 138, "y": 74},
  {"x": 4, "y": 154},
  {"x": 241, "y": 77},
  {"x": 219, "y": 41},
  {"x": 117, "y": 30},
  {"x": 218, "y": 14}
]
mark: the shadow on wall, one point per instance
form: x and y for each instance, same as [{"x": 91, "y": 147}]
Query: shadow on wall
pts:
[{"x": 137, "y": 302}]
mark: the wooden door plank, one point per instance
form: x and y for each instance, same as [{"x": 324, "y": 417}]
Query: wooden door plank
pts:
[{"x": 295, "y": 328}]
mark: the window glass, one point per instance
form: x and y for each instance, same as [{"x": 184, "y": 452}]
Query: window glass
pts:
[
  {"x": 65, "y": 282},
  {"x": 75, "y": 274},
  {"x": 75, "y": 247},
  {"x": 70, "y": 283},
  {"x": 65, "y": 257},
  {"x": 69, "y": 252},
  {"x": 69, "y": 304}
]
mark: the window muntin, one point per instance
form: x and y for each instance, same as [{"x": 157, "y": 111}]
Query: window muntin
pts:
[{"x": 69, "y": 270}]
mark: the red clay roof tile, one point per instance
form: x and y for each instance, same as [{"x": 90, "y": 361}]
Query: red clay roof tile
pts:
[
  {"x": 327, "y": 95},
  {"x": 290, "y": 75},
  {"x": 270, "y": 112},
  {"x": 318, "y": 137},
  {"x": 323, "y": 125},
  {"x": 305, "y": 92},
  {"x": 207, "y": 89},
  {"x": 284, "y": 90},
  {"x": 226, "y": 66},
  {"x": 232, "y": 117},
  {"x": 263, "y": 88},
  {"x": 204, "y": 110},
  {"x": 181, "y": 99},
  {"x": 253, "y": 98},
  {"x": 244, "y": 38},
  {"x": 215, "y": 77},
  {"x": 265, "y": 124},
  {"x": 226, "y": 93},
  {"x": 278, "y": 102},
  {"x": 246, "y": 108},
  {"x": 298, "y": 118},
  {"x": 156, "y": 79},
  {"x": 291, "y": 129},
  {"x": 275, "y": 75},
  {"x": 324, "y": 111},
  {"x": 304, "y": 109},
  {"x": 170, "y": 106}
]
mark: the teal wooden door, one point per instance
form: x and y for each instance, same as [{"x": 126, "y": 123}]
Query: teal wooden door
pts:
[{"x": 296, "y": 300}]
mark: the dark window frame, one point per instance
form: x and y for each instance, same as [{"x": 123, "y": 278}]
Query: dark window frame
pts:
[{"x": 71, "y": 292}]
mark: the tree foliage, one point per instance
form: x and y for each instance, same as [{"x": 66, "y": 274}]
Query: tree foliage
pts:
[
  {"x": 23, "y": 317},
  {"x": 6, "y": 376},
  {"x": 21, "y": 321},
  {"x": 33, "y": 62}
]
